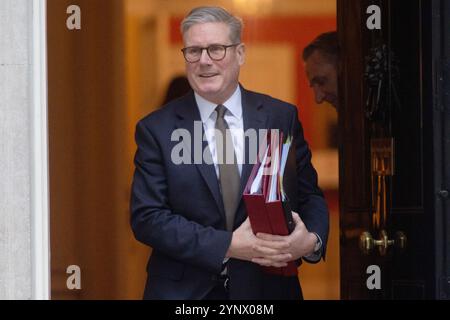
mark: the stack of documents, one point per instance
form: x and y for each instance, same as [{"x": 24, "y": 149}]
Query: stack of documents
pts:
[{"x": 265, "y": 195}]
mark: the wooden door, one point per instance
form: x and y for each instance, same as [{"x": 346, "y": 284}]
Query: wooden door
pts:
[{"x": 393, "y": 120}]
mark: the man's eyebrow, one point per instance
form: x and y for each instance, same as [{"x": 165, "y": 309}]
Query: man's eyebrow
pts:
[{"x": 204, "y": 47}]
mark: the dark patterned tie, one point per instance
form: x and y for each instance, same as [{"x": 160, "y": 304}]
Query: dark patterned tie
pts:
[{"x": 228, "y": 172}]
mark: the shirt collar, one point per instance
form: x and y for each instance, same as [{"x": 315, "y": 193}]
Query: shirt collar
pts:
[{"x": 233, "y": 104}]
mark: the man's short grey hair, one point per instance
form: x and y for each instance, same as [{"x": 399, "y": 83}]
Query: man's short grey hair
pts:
[{"x": 213, "y": 14}]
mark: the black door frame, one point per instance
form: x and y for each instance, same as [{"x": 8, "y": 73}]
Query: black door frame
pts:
[{"x": 440, "y": 120}]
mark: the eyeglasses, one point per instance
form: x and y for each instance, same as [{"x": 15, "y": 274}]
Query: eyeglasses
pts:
[{"x": 216, "y": 52}]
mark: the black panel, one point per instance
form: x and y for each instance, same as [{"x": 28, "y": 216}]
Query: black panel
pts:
[
  {"x": 442, "y": 170},
  {"x": 406, "y": 119},
  {"x": 408, "y": 290}
]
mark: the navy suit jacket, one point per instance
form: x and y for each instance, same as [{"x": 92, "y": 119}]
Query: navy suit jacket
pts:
[{"x": 177, "y": 209}]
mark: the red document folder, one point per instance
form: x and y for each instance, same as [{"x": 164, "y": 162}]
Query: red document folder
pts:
[{"x": 269, "y": 215}]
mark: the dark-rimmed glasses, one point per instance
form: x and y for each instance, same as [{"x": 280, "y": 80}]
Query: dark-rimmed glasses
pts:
[{"x": 216, "y": 52}]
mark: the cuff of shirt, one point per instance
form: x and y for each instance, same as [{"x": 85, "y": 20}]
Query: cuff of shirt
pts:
[{"x": 316, "y": 255}]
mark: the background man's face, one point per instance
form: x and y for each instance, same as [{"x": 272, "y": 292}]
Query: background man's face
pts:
[
  {"x": 213, "y": 80},
  {"x": 322, "y": 76}
]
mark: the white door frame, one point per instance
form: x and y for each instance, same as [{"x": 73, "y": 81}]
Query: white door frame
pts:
[{"x": 40, "y": 222}]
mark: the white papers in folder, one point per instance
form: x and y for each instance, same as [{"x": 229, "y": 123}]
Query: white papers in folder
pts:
[
  {"x": 274, "y": 169},
  {"x": 284, "y": 156},
  {"x": 256, "y": 187}
]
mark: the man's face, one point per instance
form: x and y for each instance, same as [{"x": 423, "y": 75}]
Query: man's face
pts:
[
  {"x": 322, "y": 76},
  {"x": 213, "y": 80}
]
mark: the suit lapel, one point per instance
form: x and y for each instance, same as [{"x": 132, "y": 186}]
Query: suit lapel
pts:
[
  {"x": 254, "y": 118},
  {"x": 189, "y": 119}
]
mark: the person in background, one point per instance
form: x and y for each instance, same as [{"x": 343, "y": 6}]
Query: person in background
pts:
[
  {"x": 178, "y": 87},
  {"x": 321, "y": 59}
]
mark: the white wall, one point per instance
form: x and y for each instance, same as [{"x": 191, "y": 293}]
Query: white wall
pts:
[{"x": 20, "y": 148}]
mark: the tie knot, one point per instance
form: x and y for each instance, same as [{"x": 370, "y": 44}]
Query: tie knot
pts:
[{"x": 220, "y": 111}]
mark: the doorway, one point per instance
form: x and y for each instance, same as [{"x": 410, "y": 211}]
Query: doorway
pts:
[
  {"x": 107, "y": 75},
  {"x": 393, "y": 156}
]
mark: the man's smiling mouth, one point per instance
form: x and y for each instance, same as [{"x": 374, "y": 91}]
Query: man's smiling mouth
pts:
[{"x": 208, "y": 75}]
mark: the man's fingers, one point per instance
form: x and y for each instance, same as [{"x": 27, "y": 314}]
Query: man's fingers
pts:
[
  {"x": 296, "y": 217},
  {"x": 281, "y": 258},
  {"x": 269, "y": 237},
  {"x": 246, "y": 223},
  {"x": 265, "y": 251},
  {"x": 277, "y": 245},
  {"x": 269, "y": 263},
  {"x": 277, "y": 258}
]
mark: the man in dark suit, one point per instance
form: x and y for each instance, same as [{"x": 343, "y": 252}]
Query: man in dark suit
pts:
[{"x": 187, "y": 197}]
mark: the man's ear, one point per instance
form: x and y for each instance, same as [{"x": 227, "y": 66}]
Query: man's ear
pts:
[{"x": 240, "y": 50}]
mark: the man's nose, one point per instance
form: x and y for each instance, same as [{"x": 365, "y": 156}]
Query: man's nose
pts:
[
  {"x": 204, "y": 57},
  {"x": 319, "y": 95}
]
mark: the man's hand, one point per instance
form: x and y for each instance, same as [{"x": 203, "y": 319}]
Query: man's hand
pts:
[
  {"x": 299, "y": 243},
  {"x": 246, "y": 246}
]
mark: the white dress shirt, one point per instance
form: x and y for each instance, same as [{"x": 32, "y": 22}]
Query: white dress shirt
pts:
[{"x": 233, "y": 116}]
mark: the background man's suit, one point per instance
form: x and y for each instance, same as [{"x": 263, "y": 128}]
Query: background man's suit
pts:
[{"x": 178, "y": 209}]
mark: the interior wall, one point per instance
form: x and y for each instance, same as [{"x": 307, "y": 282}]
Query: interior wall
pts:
[{"x": 87, "y": 131}]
